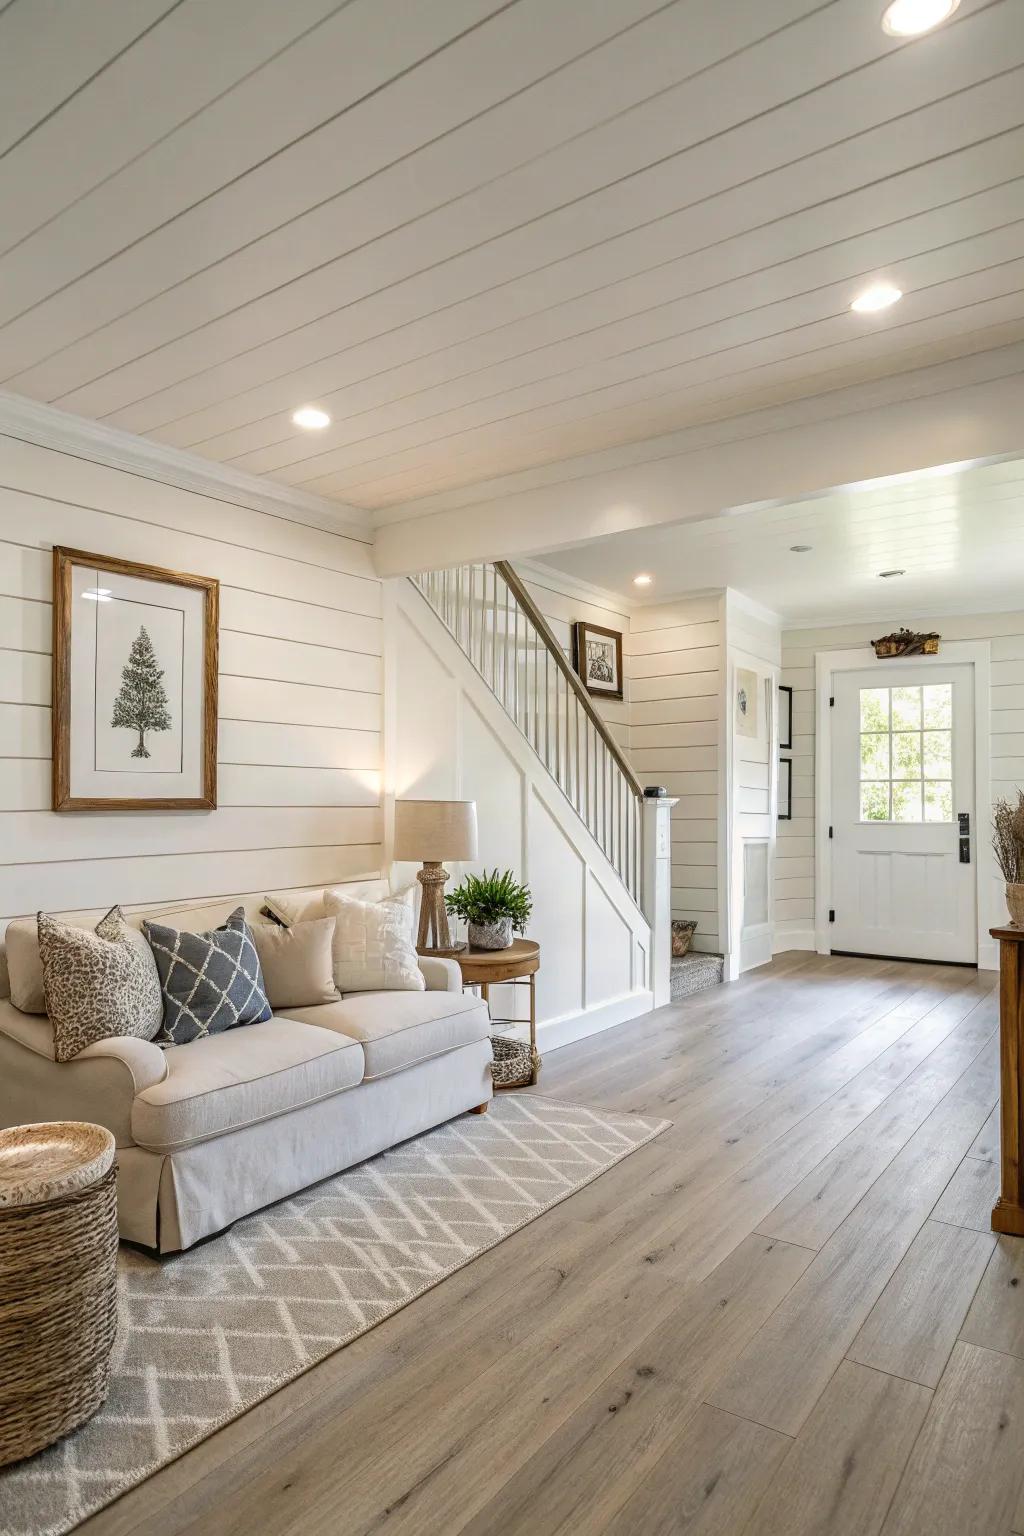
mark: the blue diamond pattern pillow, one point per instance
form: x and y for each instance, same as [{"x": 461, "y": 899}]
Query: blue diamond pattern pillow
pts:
[{"x": 210, "y": 981}]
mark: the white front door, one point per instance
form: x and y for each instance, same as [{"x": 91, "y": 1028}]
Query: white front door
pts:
[{"x": 902, "y": 777}]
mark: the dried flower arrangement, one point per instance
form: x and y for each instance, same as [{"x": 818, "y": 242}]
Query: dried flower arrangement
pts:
[{"x": 1008, "y": 847}]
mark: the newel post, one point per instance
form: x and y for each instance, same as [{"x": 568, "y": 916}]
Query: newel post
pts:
[
  {"x": 1008, "y": 1211},
  {"x": 657, "y": 891}
]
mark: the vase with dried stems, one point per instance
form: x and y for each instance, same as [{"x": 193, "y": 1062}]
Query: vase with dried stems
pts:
[{"x": 1008, "y": 846}]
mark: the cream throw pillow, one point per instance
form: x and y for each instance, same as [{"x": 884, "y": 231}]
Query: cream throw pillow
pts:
[
  {"x": 291, "y": 907},
  {"x": 297, "y": 962},
  {"x": 373, "y": 944}
]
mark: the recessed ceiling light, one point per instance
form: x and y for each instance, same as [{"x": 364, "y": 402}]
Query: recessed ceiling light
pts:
[
  {"x": 878, "y": 296},
  {"x": 311, "y": 417},
  {"x": 800, "y": 549},
  {"x": 642, "y": 580},
  {"x": 886, "y": 574},
  {"x": 98, "y": 594},
  {"x": 909, "y": 18}
]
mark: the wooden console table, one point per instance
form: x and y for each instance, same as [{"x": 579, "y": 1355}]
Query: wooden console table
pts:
[
  {"x": 515, "y": 966},
  {"x": 1008, "y": 1211}
]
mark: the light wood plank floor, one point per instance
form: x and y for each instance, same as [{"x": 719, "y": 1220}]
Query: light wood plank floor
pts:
[{"x": 785, "y": 1316}]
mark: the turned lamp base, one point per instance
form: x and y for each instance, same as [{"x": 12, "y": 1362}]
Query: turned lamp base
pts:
[{"x": 434, "y": 936}]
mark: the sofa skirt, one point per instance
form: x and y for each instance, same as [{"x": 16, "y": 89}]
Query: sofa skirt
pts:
[{"x": 170, "y": 1201}]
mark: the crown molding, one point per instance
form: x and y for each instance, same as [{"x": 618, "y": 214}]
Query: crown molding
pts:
[
  {"x": 908, "y": 616},
  {"x": 47, "y": 427},
  {"x": 574, "y": 586},
  {"x": 751, "y": 606}
]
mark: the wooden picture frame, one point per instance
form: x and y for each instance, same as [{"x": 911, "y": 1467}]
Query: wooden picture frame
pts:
[
  {"x": 785, "y": 718},
  {"x": 784, "y": 811},
  {"x": 596, "y": 650},
  {"x": 89, "y": 745}
]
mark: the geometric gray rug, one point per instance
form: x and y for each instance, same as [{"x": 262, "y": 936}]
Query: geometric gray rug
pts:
[{"x": 206, "y": 1335}]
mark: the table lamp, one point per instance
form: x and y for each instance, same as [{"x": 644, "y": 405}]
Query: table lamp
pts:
[{"x": 432, "y": 831}]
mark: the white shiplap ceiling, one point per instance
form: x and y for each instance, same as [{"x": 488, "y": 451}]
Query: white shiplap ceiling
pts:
[
  {"x": 957, "y": 533},
  {"x": 489, "y": 236}
]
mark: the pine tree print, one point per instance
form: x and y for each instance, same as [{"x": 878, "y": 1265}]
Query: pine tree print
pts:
[{"x": 142, "y": 703}]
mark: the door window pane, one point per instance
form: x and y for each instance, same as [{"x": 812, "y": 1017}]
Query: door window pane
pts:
[
  {"x": 874, "y": 755},
  {"x": 906, "y": 709},
  {"x": 938, "y": 706},
  {"x": 906, "y": 801},
  {"x": 938, "y": 801},
  {"x": 874, "y": 802},
  {"x": 874, "y": 709},
  {"x": 938, "y": 754},
  {"x": 906, "y": 753}
]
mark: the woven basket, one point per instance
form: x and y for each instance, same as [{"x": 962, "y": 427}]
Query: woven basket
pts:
[
  {"x": 513, "y": 1065},
  {"x": 58, "y": 1315}
]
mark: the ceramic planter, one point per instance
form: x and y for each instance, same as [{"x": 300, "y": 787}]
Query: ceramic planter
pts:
[{"x": 491, "y": 935}]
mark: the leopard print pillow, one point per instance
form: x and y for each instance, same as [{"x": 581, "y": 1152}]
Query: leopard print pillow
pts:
[{"x": 97, "y": 984}]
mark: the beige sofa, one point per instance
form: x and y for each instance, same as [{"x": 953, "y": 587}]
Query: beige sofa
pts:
[{"x": 210, "y": 1131}]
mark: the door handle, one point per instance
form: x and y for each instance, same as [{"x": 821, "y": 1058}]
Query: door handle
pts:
[{"x": 965, "y": 850}]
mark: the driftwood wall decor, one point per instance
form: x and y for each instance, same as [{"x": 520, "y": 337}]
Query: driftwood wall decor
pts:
[{"x": 905, "y": 642}]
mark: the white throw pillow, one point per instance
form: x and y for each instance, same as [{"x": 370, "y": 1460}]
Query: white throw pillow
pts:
[
  {"x": 373, "y": 943},
  {"x": 290, "y": 907}
]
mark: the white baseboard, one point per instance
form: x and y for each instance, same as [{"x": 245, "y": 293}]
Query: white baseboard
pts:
[
  {"x": 577, "y": 1026},
  {"x": 785, "y": 938},
  {"x": 803, "y": 938}
]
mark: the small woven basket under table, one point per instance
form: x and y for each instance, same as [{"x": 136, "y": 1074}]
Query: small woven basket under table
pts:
[
  {"x": 58, "y": 1280},
  {"x": 514, "y": 1065}
]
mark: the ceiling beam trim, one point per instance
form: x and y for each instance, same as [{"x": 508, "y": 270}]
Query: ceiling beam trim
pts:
[
  {"x": 44, "y": 425},
  {"x": 968, "y": 409}
]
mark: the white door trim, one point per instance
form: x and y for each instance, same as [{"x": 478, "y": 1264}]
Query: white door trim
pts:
[{"x": 975, "y": 653}]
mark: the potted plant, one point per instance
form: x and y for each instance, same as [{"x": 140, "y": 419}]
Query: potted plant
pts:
[
  {"x": 1008, "y": 846},
  {"x": 495, "y": 906}
]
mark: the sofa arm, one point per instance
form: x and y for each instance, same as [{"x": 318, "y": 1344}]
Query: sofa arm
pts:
[
  {"x": 145, "y": 1061},
  {"x": 441, "y": 975}
]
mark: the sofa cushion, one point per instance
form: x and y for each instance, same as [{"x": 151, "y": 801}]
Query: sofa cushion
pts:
[
  {"x": 373, "y": 944},
  {"x": 288, "y": 907},
  {"x": 97, "y": 984},
  {"x": 297, "y": 962},
  {"x": 211, "y": 982},
  {"x": 398, "y": 1029},
  {"x": 225, "y": 1081}
]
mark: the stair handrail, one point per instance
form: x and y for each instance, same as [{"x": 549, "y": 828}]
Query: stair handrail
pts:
[{"x": 543, "y": 628}]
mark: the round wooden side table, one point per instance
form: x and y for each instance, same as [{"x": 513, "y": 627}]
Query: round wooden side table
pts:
[
  {"x": 516, "y": 966},
  {"x": 58, "y": 1280}
]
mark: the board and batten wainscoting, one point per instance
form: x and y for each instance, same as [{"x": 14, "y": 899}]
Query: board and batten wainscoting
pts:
[
  {"x": 795, "y": 861},
  {"x": 674, "y": 670},
  {"x": 300, "y": 693}
]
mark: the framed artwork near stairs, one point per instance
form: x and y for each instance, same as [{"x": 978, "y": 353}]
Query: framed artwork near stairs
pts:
[
  {"x": 134, "y": 686},
  {"x": 597, "y": 657}
]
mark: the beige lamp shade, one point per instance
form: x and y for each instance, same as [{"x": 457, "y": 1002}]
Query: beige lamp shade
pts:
[{"x": 435, "y": 830}]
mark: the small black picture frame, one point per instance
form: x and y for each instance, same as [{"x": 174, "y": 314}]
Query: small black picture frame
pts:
[
  {"x": 785, "y": 806},
  {"x": 597, "y": 659},
  {"x": 785, "y": 718}
]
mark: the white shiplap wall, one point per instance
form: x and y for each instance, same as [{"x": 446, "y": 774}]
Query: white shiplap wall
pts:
[
  {"x": 674, "y": 669},
  {"x": 300, "y": 695},
  {"x": 794, "y": 867}
]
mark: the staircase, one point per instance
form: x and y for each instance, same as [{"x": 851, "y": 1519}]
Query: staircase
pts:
[{"x": 497, "y": 625}]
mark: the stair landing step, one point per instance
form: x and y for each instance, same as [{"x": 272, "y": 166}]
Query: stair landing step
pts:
[{"x": 695, "y": 973}]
